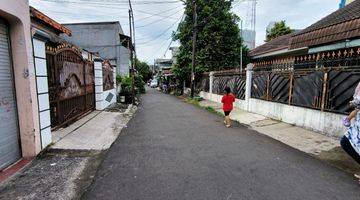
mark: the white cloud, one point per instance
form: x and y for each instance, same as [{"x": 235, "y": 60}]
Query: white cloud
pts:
[{"x": 151, "y": 44}]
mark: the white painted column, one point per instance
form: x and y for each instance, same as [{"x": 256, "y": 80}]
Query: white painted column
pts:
[
  {"x": 211, "y": 82},
  {"x": 114, "y": 74},
  {"x": 42, "y": 92},
  {"x": 103, "y": 98},
  {"x": 115, "y": 90},
  {"x": 98, "y": 84},
  {"x": 249, "y": 72}
]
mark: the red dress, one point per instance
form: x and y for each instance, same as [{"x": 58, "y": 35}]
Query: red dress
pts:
[{"x": 228, "y": 101}]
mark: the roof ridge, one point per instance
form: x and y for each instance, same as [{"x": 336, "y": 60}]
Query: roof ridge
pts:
[
  {"x": 278, "y": 43},
  {"x": 346, "y": 10}
]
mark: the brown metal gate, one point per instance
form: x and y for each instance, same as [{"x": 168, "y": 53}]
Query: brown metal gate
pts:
[{"x": 71, "y": 84}]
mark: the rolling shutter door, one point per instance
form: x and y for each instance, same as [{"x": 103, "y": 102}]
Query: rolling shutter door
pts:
[{"x": 9, "y": 135}]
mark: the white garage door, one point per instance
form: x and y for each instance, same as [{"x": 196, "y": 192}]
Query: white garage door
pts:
[{"x": 9, "y": 135}]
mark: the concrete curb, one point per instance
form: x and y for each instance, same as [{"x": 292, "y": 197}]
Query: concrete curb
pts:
[{"x": 130, "y": 109}]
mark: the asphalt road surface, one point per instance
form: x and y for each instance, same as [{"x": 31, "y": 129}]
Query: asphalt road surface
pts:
[{"x": 173, "y": 150}]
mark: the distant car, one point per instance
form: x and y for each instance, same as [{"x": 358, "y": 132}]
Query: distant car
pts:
[{"x": 154, "y": 84}]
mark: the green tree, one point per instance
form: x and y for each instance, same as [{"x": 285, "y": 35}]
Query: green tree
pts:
[
  {"x": 218, "y": 40},
  {"x": 143, "y": 69},
  {"x": 126, "y": 84},
  {"x": 279, "y": 29}
]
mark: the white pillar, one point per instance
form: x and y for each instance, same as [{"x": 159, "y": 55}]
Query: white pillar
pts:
[
  {"x": 115, "y": 84},
  {"x": 211, "y": 82},
  {"x": 114, "y": 74},
  {"x": 43, "y": 92},
  {"x": 98, "y": 84},
  {"x": 249, "y": 72}
]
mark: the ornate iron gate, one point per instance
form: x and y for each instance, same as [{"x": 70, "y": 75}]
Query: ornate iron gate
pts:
[
  {"x": 108, "y": 76},
  {"x": 71, "y": 84}
]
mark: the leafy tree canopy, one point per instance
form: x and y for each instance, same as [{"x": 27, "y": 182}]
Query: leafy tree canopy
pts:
[
  {"x": 279, "y": 29},
  {"x": 218, "y": 38},
  {"x": 143, "y": 69}
]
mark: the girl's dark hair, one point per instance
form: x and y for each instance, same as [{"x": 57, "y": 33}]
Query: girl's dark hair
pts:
[{"x": 227, "y": 90}]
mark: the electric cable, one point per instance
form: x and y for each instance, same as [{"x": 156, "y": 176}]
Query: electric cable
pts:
[
  {"x": 165, "y": 17},
  {"x": 164, "y": 32}
]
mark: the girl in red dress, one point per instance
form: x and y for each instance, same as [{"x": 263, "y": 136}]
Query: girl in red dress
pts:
[{"x": 227, "y": 100}]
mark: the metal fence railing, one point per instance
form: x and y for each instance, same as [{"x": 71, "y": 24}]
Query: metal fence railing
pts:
[
  {"x": 233, "y": 79},
  {"x": 324, "y": 81},
  {"x": 326, "y": 89}
]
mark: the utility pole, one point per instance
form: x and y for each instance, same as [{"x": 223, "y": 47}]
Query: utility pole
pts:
[
  {"x": 241, "y": 46},
  {"x": 193, "y": 49},
  {"x": 134, "y": 38},
  {"x": 254, "y": 18},
  {"x": 132, "y": 58}
]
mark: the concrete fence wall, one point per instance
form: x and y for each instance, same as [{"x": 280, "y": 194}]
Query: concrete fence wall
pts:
[{"x": 324, "y": 122}]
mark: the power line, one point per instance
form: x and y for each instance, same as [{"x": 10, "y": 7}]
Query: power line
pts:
[
  {"x": 123, "y": 17},
  {"x": 71, "y": 13},
  {"x": 173, "y": 40},
  {"x": 199, "y": 23},
  {"x": 165, "y": 31},
  {"x": 150, "y": 44},
  {"x": 167, "y": 48},
  {"x": 165, "y": 17},
  {"x": 158, "y": 14},
  {"x": 104, "y": 5},
  {"x": 113, "y": 3},
  {"x": 162, "y": 44}
]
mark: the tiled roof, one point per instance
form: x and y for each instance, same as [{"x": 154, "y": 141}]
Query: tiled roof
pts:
[
  {"x": 340, "y": 25},
  {"x": 47, "y": 20},
  {"x": 279, "y": 43}
]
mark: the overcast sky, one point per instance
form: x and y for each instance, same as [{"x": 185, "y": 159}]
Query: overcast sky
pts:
[{"x": 155, "y": 22}]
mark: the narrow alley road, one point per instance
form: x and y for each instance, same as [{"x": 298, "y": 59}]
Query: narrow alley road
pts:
[{"x": 173, "y": 150}]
